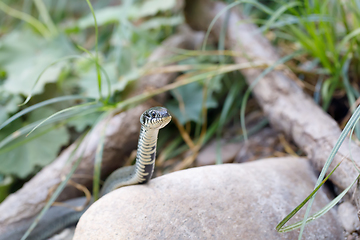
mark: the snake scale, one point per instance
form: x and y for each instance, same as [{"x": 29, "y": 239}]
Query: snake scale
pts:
[{"x": 57, "y": 218}]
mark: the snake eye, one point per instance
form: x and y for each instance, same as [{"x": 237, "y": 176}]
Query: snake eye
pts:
[{"x": 153, "y": 114}]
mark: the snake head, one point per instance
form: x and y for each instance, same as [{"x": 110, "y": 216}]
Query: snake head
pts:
[{"x": 155, "y": 118}]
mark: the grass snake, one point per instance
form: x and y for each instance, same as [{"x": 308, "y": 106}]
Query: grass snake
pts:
[{"x": 57, "y": 218}]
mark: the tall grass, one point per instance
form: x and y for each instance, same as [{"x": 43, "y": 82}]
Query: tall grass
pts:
[{"x": 328, "y": 31}]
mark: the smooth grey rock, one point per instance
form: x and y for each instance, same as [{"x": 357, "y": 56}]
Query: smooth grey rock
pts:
[
  {"x": 263, "y": 144},
  {"x": 207, "y": 156},
  {"x": 230, "y": 201},
  {"x": 348, "y": 217},
  {"x": 66, "y": 234}
]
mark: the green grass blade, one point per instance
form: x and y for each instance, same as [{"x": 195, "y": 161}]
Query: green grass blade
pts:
[
  {"x": 58, "y": 190},
  {"x": 211, "y": 25},
  {"x": 279, "y": 12},
  {"x": 279, "y": 227},
  {"x": 322, "y": 211},
  {"x": 98, "y": 160},
  {"x": 349, "y": 145},
  {"x": 173, "y": 146},
  {"x": 46, "y": 68},
  {"x": 352, "y": 121},
  {"x": 253, "y": 84},
  {"x": 348, "y": 37},
  {"x": 291, "y": 20},
  {"x": 41, "y": 104},
  {"x": 93, "y": 58},
  {"x": 230, "y": 98},
  {"x": 184, "y": 81},
  {"x": 349, "y": 92},
  {"x": 303, "y": 39},
  {"x": 317, "y": 91},
  {"x": 27, "y": 18},
  {"x": 215, "y": 19},
  {"x": 59, "y": 112},
  {"x": 46, "y": 17},
  {"x": 28, "y": 139},
  {"x": 24, "y": 130},
  {"x": 252, "y": 130},
  {"x": 96, "y": 48}
]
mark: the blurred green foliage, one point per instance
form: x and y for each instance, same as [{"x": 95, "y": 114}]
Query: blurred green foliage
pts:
[
  {"x": 41, "y": 54},
  {"x": 51, "y": 49},
  {"x": 328, "y": 31}
]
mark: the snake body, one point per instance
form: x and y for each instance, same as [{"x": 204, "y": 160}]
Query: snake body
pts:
[{"x": 57, "y": 218}]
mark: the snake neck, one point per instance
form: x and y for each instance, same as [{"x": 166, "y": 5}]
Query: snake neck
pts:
[
  {"x": 143, "y": 169},
  {"x": 146, "y": 154}
]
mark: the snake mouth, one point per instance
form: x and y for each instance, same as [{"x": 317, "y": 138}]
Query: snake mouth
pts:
[
  {"x": 155, "y": 118},
  {"x": 165, "y": 115},
  {"x": 166, "y": 120}
]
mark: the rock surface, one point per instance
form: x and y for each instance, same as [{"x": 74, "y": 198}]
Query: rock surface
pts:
[
  {"x": 348, "y": 217},
  {"x": 230, "y": 201},
  {"x": 263, "y": 144}
]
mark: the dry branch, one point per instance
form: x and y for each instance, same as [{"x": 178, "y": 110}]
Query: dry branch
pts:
[
  {"x": 121, "y": 138},
  {"x": 287, "y": 107}
]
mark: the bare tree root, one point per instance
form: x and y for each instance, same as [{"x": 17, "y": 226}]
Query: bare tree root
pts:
[
  {"x": 121, "y": 138},
  {"x": 287, "y": 107}
]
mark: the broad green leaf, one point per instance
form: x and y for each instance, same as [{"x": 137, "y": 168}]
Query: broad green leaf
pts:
[
  {"x": 215, "y": 84},
  {"x": 84, "y": 65},
  {"x": 103, "y": 16},
  {"x": 9, "y": 102},
  {"x": 80, "y": 123},
  {"x": 3, "y": 114},
  {"x": 158, "y": 22},
  {"x": 39, "y": 152},
  {"x": 88, "y": 81},
  {"x": 132, "y": 47},
  {"x": 152, "y": 7},
  {"x": 124, "y": 80},
  {"x": 112, "y": 14},
  {"x": 191, "y": 96},
  {"x": 25, "y": 60}
]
